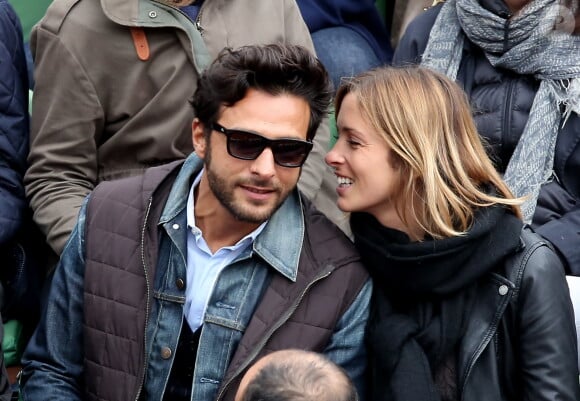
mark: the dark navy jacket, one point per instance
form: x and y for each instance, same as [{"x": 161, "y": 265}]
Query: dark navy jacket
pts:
[
  {"x": 502, "y": 100},
  {"x": 13, "y": 123},
  {"x": 358, "y": 15}
]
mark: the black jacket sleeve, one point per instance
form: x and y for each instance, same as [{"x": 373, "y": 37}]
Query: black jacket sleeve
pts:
[{"x": 547, "y": 334}]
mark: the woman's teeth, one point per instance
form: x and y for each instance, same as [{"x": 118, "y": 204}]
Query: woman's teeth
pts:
[{"x": 343, "y": 181}]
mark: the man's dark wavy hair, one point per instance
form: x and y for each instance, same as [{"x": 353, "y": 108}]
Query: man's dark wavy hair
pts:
[{"x": 275, "y": 69}]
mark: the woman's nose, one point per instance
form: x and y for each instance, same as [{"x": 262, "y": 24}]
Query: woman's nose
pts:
[{"x": 333, "y": 157}]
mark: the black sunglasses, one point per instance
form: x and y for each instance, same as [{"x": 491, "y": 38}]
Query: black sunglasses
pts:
[{"x": 248, "y": 146}]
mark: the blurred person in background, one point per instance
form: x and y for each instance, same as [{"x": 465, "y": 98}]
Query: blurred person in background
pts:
[
  {"x": 349, "y": 35},
  {"x": 519, "y": 62}
]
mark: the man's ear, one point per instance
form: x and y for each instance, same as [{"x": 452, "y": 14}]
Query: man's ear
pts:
[{"x": 198, "y": 138}]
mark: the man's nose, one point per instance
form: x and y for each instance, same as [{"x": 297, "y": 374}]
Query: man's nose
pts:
[{"x": 264, "y": 165}]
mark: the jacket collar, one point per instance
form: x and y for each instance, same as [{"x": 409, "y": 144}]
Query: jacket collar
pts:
[
  {"x": 279, "y": 244},
  {"x": 146, "y": 13},
  {"x": 498, "y": 7},
  {"x": 154, "y": 14},
  {"x": 124, "y": 12}
]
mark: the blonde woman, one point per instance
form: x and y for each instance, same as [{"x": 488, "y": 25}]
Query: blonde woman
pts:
[{"x": 467, "y": 305}]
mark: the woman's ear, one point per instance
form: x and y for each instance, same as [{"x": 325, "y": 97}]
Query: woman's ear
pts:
[
  {"x": 198, "y": 137},
  {"x": 394, "y": 160}
]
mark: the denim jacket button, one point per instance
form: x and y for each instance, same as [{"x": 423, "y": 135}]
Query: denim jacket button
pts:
[
  {"x": 503, "y": 289},
  {"x": 166, "y": 352},
  {"x": 180, "y": 284}
]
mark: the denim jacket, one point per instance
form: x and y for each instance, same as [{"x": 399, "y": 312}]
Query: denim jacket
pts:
[{"x": 53, "y": 362}]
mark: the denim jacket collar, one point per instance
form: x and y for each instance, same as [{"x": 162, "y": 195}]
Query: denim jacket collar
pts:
[{"x": 279, "y": 244}]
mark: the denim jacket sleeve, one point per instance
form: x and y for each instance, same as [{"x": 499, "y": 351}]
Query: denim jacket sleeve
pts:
[
  {"x": 347, "y": 347},
  {"x": 53, "y": 360}
]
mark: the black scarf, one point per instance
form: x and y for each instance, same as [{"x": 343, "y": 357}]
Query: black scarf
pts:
[{"x": 423, "y": 293}]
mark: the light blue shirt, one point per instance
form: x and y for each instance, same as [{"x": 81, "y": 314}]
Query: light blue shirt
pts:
[{"x": 203, "y": 266}]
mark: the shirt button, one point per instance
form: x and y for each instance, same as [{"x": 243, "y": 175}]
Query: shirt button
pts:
[
  {"x": 175, "y": 226},
  {"x": 503, "y": 289},
  {"x": 180, "y": 284},
  {"x": 152, "y": 14},
  {"x": 165, "y": 352}
]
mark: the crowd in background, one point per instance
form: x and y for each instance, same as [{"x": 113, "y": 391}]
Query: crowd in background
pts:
[{"x": 93, "y": 92}]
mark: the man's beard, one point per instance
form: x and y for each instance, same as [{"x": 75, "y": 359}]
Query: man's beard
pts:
[{"x": 224, "y": 191}]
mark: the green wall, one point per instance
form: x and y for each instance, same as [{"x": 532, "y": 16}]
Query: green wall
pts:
[{"x": 30, "y": 12}]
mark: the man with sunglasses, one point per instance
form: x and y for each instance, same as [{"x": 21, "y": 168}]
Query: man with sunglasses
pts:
[
  {"x": 112, "y": 80},
  {"x": 174, "y": 282}
]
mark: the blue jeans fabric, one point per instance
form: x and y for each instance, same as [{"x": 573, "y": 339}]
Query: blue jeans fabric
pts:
[{"x": 344, "y": 52}]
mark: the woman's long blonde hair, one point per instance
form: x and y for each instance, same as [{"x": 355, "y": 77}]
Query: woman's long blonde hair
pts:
[{"x": 425, "y": 119}]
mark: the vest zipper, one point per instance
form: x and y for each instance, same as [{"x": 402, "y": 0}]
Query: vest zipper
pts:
[
  {"x": 506, "y": 134},
  {"x": 506, "y": 25},
  {"x": 198, "y": 20},
  {"x": 147, "y": 305},
  {"x": 507, "y": 120},
  {"x": 273, "y": 328},
  {"x": 196, "y": 23}
]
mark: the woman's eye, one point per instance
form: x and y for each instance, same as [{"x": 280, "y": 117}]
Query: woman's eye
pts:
[{"x": 353, "y": 143}]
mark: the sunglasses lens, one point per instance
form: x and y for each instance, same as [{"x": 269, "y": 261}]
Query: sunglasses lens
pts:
[
  {"x": 246, "y": 145},
  {"x": 290, "y": 153}
]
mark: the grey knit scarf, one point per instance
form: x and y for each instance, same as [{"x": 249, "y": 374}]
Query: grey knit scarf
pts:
[{"x": 527, "y": 44}]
